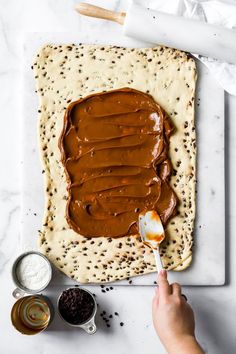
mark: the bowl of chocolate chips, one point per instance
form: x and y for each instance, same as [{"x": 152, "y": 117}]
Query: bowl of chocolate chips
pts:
[{"x": 77, "y": 307}]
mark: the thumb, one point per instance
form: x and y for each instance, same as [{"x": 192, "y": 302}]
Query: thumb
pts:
[{"x": 164, "y": 287}]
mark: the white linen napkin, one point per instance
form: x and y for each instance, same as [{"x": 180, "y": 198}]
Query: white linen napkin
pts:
[{"x": 219, "y": 12}]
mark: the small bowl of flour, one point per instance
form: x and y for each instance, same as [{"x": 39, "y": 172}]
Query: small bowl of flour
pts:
[{"x": 31, "y": 272}]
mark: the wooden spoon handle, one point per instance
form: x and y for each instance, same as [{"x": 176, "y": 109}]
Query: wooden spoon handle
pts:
[{"x": 99, "y": 12}]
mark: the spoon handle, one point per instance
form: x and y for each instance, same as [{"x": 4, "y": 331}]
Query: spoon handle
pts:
[{"x": 158, "y": 259}]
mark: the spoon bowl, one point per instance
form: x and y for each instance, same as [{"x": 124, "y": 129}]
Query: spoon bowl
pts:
[{"x": 152, "y": 233}]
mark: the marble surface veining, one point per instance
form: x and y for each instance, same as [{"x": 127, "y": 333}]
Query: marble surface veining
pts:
[{"x": 215, "y": 307}]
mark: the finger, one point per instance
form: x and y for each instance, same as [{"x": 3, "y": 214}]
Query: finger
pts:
[
  {"x": 154, "y": 308},
  {"x": 156, "y": 293},
  {"x": 164, "y": 287},
  {"x": 154, "y": 303},
  {"x": 176, "y": 289}
]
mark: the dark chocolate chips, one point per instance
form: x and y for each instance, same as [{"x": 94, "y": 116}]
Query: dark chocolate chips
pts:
[
  {"x": 76, "y": 305},
  {"x": 107, "y": 318}
]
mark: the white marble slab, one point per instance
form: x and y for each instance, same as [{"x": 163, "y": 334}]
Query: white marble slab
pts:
[{"x": 208, "y": 267}]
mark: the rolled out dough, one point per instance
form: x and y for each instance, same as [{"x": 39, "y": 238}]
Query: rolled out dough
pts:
[{"x": 65, "y": 73}]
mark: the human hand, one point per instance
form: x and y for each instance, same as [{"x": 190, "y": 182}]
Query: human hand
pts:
[{"x": 173, "y": 318}]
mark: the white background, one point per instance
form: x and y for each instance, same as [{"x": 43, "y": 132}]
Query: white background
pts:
[{"x": 215, "y": 307}]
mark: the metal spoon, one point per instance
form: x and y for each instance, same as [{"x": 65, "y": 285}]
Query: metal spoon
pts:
[{"x": 152, "y": 233}]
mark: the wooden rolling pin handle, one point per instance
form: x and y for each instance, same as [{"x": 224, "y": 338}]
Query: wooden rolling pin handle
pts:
[{"x": 99, "y": 12}]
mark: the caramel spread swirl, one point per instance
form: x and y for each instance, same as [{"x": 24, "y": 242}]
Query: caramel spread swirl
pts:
[{"x": 114, "y": 148}]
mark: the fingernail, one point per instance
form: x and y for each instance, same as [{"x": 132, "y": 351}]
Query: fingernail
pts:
[{"x": 163, "y": 272}]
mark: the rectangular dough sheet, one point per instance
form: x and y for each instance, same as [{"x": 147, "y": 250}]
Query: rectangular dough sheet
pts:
[{"x": 65, "y": 73}]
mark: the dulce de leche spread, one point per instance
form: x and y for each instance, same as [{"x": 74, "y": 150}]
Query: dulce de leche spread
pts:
[{"x": 114, "y": 149}]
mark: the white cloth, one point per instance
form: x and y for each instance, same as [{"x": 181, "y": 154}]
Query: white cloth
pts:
[{"x": 219, "y": 12}]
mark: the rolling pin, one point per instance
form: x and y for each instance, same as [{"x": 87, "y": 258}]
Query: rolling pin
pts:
[{"x": 169, "y": 30}]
